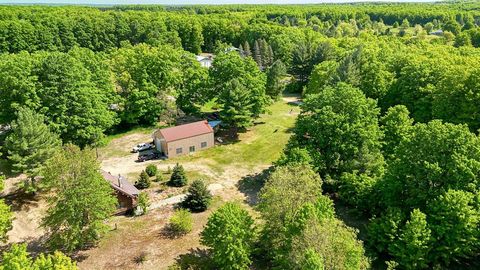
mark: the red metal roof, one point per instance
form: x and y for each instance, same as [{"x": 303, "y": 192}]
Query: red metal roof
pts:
[{"x": 186, "y": 131}]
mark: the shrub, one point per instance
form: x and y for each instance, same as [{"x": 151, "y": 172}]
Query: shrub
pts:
[
  {"x": 159, "y": 177},
  {"x": 178, "y": 178},
  {"x": 181, "y": 222},
  {"x": 144, "y": 181},
  {"x": 198, "y": 198},
  {"x": 151, "y": 170},
  {"x": 143, "y": 203}
]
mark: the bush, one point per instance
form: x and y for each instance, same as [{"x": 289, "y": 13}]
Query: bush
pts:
[
  {"x": 144, "y": 181},
  {"x": 159, "y": 177},
  {"x": 198, "y": 198},
  {"x": 178, "y": 178},
  {"x": 181, "y": 222},
  {"x": 151, "y": 170},
  {"x": 143, "y": 203}
]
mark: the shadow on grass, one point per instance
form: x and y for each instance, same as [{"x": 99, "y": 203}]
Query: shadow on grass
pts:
[
  {"x": 251, "y": 184},
  {"x": 197, "y": 259}
]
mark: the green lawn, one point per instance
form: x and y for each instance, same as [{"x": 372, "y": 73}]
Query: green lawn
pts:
[{"x": 261, "y": 145}]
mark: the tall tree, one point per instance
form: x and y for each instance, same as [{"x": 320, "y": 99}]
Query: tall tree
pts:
[
  {"x": 228, "y": 67},
  {"x": 31, "y": 143},
  {"x": 246, "y": 49},
  {"x": 236, "y": 105},
  {"x": 82, "y": 199},
  {"x": 257, "y": 54},
  {"x": 339, "y": 127},
  {"x": 412, "y": 247},
  {"x": 396, "y": 124},
  {"x": 275, "y": 75},
  {"x": 230, "y": 234}
]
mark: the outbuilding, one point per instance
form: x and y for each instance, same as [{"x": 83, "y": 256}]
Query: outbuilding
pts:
[
  {"x": 184, "y": 139},
  {"x": 126, "y": 193}
]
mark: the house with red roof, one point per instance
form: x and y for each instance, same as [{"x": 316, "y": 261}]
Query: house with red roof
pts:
[{"x": 184, "y": 139}]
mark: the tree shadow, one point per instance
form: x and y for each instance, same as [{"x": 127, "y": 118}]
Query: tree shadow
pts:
[
  {"x": 20, "y": 200},
  {"x": 250, "y": 185},
  {"x": 196, "y": 258}
]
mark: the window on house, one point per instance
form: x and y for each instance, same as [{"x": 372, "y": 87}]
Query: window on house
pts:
[
  {"x": 192, "y": 149},
  {"x": 204, "y": 144},
  {"x": 179, "y": 150}
]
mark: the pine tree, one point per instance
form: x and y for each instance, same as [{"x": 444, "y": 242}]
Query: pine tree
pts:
[
  {"x": 143, "y": 181},
  {"x": 198, "y": 198},
  {"x": 178, "y": 178},
  {"x": 275, "y": 74},
  {"x": 246, "y": 49},
  {"x": 237, "y": 105},
  {"x": 31, "y": 143},
  {"x": 257, "y": 54}
]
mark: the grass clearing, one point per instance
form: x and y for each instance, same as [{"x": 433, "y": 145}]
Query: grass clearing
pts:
[{"x": 261, "y": 144}]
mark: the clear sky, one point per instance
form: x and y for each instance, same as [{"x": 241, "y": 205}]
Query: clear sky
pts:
[{"x": 193, "y": 2}]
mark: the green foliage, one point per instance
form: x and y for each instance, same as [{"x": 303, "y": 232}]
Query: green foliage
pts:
[
  {"x": 181, "y": 222},
  {"x": 57, "y": 261},
  {"x": 275, "y": 76},
  {"x": 151, "y": 170},
  {"x": 17, "y": 258},
  {"x": 143, "y": 181},
  {"x": 143, "y": 202},
  {"x": 6, "y": 218},
  {"x": 230, "y": 234},
  {"x": 178, "y": 177},
  {"x": 80, "y": 201},
  {"x": 237, "y": 106},
  {"x": 295, "y": 156},
  {"x": 413, "y": 244},
  {"x": 159, "y": 177},
  {"x": 331, "y": 241},
  {"x": 285, "y": 192},
  {"x": 396, "y": 126},
  {"x": 454, "y": 218},
  {"x": 31, "y": 143},
  {"x": 198, "y": 198},
  {"x": 339, "y": 127},
  {"x": 237, "y": 80}
]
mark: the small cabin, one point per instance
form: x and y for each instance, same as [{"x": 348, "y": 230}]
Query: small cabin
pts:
[
  {"x": 126, "y": 193},
  {"x": 184, "y": 139}
]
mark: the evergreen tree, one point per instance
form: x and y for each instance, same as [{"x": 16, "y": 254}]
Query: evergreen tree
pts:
[
  {"x": 257, "y": 54},
  {"x": 275, "y": 75},
  {"x": 178, "y": 178},
  {"x": 143, "y": 181},
  {"x": 237, "y": 105},
  {"x": 246, "y": 49},
  {"x": 80, "y": 201},
  {"x": 31, "y": 143},
  {"x": 198, "y": 198}
]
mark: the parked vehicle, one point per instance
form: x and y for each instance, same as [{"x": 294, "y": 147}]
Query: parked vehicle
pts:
[
  {"x": 149, "y": 156},
  {"x": 142, "y": 147}
]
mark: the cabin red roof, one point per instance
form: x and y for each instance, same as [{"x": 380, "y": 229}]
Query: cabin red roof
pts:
[{"x": 185, "y": 131}]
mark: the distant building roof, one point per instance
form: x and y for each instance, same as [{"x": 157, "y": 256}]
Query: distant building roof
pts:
[
  {"x": 213, "y": 124},
  {"x": 120, "y": 184},
  {"x": 185, "y": 131}
]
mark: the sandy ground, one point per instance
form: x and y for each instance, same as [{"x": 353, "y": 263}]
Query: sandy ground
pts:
[{"x": 141, "y": 235}]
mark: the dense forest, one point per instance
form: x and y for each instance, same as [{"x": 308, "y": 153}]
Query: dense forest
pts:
[{"x": 389, "y": 123}]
